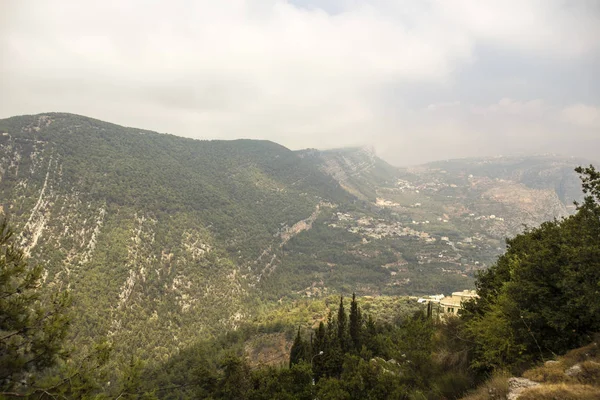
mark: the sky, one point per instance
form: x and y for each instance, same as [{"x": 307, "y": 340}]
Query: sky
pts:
[{"x": 419, "y": 80}]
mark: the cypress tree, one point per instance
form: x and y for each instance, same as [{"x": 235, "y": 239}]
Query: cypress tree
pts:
[
  {"x": 355, "y": 323},
  {"x": 342, "y": 325},
  {"x": 298, "y": 350},
  {"x": 330, "y": 325},
  {"x": 370, "y": 333},
  {"x": 318, "y": 346},
  {"x": 319, "y": 343},
  {"x": 332, "y": 358}
]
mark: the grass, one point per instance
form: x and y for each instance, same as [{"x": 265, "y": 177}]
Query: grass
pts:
[
  {"x": 494, "y": 388},
  {"x": 587, "y": 358},
  {"x": 551, "y": 373},
  {"x": 590, "y": 373},
  {"x": 561, "y": 391},
  {"x": 556, "y": 384},
  {"x": 586, "y": 353}
]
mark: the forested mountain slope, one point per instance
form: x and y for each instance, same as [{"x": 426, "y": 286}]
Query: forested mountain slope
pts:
[
  {"x": 358, "y": 169},
  {"x": 163, "y": 239},
  {"x": 157, "y": 236}
]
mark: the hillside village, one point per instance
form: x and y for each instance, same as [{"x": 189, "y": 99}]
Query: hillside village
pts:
[{"x": 461, "y": 254}]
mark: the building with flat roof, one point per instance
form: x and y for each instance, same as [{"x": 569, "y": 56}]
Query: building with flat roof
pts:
[{"x": 451, "y": 304}]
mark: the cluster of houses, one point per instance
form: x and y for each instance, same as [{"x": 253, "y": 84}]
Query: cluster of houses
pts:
[
  {"x": 404, "y": 185},
  {"x": 449, "y": 304},
  {"x": 379, "y": 228}
]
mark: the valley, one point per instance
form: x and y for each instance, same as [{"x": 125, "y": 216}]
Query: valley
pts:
[{"x": 163, "y": 240}]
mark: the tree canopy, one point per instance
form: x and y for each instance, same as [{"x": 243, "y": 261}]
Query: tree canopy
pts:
[
  {"x": 32, "y": 329},
  {"x": 541, "y": 296}
]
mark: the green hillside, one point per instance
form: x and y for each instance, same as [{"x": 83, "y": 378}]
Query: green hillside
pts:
[
  {"x": 358, "y": 170},
  {"x": 155, "y": 235},
  {"x": 163, "y": 240}
]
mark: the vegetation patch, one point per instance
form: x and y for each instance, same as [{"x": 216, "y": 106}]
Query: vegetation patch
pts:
[{"x": 561, "y": 391}]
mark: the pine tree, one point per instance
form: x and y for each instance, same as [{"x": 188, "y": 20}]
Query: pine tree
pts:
[
  {"x": 32, "y": 328},
  {"x": 236, "y": 382}
]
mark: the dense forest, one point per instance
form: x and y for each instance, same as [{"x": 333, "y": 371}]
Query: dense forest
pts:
[{"x": 539, "y": 300}]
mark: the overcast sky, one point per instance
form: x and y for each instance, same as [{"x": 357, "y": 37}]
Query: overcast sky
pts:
[{"x": 420, "y": 80}]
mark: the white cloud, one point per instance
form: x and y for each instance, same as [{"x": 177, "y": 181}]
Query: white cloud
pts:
[
  {"x": 551, "y": 27},
  {"x": 271, "y": 69},
  {"x": 506, "y": 106},
  {"x": 582, "y": 115},
  {"x": 240, "y": 68}
]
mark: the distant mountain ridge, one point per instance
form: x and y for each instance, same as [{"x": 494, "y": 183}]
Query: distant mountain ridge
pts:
[
  {"x": 358, "y": 170},
  {"x": 537, "y": 172},
  {"x": 361, "y": 172}
]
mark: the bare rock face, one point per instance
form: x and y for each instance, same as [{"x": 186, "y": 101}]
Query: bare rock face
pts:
[
  {"x": 517, "y": 385},
  {"x": 574, "y": 370}
]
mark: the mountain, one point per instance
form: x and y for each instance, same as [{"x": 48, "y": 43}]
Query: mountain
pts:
[
  {"x": 164, "y": 240},
  {"x": 157, "y": 236},
  {"x": 544, "y": 172},
  {"x": 358, "y": 170}
]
